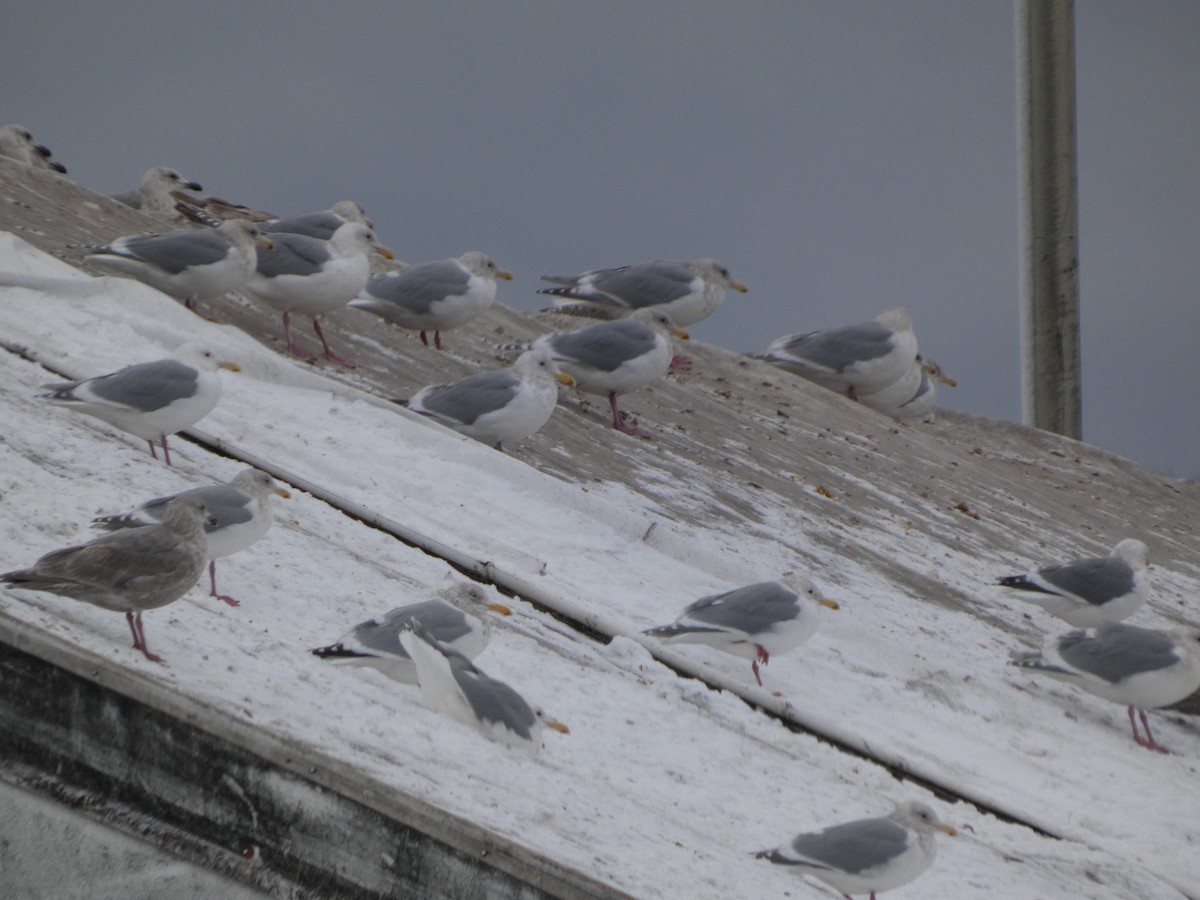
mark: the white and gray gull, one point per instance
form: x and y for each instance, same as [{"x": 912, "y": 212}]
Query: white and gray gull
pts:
[
  {"x": 192, "y": 266},
  {"x": 151, "y": 400},
  {"x": 866, "y": 855},
  {"x": 1141, "y": 668},
  {"x": 154, "y": 193},
  {"x": 434, "y": 296},
  {"x": 460, "y": 619},
  {"x": 688, "y": 290},
  {"x": 753, "y": 622},
  {"x": 241, "y": 513},
  {"x": 1089, "y": 591}
]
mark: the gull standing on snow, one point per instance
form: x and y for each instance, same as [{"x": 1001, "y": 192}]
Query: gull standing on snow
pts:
[
  {"x": 314, "y": 277},
  {"x": 507, "y": 405},
  {"x": 1141, "y": 668},
  {"x": 130, "y": 571},
  {"x": 320, "y": 225},
  {"x": 752, "y": 622},
  {"x": 850, "y": 359},
  {"x": 153, "y": 195},
  {"x": 450, "y": 684},
  {"x": 434, "y": 296},
  {"x": 241, "y": 513},
  {"x": 191, "y": 266},
  {"x": 1091, "y": 591},
  {"x": 150, "y": 400},
  {"x": 16, "y": 142},
  {"x": 461, "y": 622},
  {"x": 613, "y": 358},
  {"x": 688, "y": 290},
  {"x": 866, "y": 855},
  {"x": 911, "y": 395}
]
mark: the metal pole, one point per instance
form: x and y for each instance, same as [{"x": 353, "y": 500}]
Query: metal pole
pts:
[{"x": 1049, "y": 217}]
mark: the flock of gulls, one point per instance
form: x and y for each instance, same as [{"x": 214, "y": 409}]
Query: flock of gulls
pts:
[{"x": 316, "y": 263}]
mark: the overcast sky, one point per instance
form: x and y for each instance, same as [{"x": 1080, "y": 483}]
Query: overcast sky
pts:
[{"x": 839, "y": 158}]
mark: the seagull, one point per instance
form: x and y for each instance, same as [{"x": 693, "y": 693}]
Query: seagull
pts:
[
  {"x": 321, "y": 225},
  {"x": 688, "y": 290},
  {"x": 451, "y": 684},
  {"x": 507, "y": 405},
  {"x": 16, "y": 142},
  {"x": 613, "y": 358},
  {"x": 866, "y": 855},
  {"x": 1092, "y": 591},
  {"x": 911, "y": 395},
  {"x": 188, "y": 265},
  {"x": 150, "y": 400},
  {"x": 434, "y": 296},
  {"x": 753, "y": 622},
  {"x": 1141, "y": 668},
  {"x": 851, "y": 359},
  {"x": 241, "y": 513},
  {"x": 314, "y": 277},
  {"x": 130, "y": 571},
  {"x": 459, "y": 622},
  {"x": 153, "y": 195}
]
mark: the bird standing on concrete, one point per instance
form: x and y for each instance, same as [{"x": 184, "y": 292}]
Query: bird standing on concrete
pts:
[
  {"x": 241, "y": 512},
  {"x": 129, "y": 571}
]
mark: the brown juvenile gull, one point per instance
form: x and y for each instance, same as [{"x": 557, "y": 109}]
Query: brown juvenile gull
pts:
[
  {"x": 451, "y": 684},
  {"x": 504, "y": 406},
  {"x": 460, "y": 622},
  {"x": 16, "y": 142},
  {"x": 866, "y": 855},
  {"x": 129, "y": 571},
  {"x": 153, "y": 194},
  {"x": 191, "y": 266},
  {"x": 688, "y": 290},
  {"x": 1091, "y": 591},
  {"x": 241, "y": 513},
  {"x": 850, "y": 359},
  {"x": 753, "y": 622},
  {"x": 311, "y": 276},
  {"x": 152, "y": 399},
  {"x": 1141, "y": 668},
  {"x": 434, "y": 296}
]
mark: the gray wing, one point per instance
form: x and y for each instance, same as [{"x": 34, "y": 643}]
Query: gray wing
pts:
[
  {"x": 1118, "y": 651},
  {"x": 466, "y": 400},
  {"x": 753, "y": 609},
  {"x": 1095, "y": 580},
  {"x": 227, "y": 504},
  {"x": 852, "y": 847},
  {"x": 418, "y": 287},
  {"x": 635, "y": 287},
  {"x": 129, "y": 198},
  {"x": 837, "y": 348},
  {"x": 144, "y": 387},
  {"x": 605, "y": 347},
  {"x": 294, "y": 254},
  {"x": 443, "y": 622},
  {"x": 173, "y": 253},
  {"x": 492, "y": 700},
  {"x": 319, "y": 225}
]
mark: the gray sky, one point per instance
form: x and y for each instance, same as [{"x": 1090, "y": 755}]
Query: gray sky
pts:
[{"x": 839, "y": 158}]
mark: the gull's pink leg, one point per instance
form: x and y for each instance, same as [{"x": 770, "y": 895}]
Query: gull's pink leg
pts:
[
  {"x": 619, "y": 419},
  {"x": 212, "y": 576},
  {"x": 137, "y": 641},
  {"x": 329, "y": 354},
  {"x": 680, "y": 362},
  {"x": 292, "y": 346},
  {"x": 140, "y": 643},
  {"x": 437, "y": 340},
  {"x": 153, "y": 452},
  {"x": 1148, "y": 742},
  {"x": 761, "y": 656},
  {"x": 424, "y": 340},
  {"x": 166, "y": 452}
]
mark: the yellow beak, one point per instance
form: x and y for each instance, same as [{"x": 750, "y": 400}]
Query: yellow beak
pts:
[
  {"x": 829, "y": 604},
  {"x": 564, "y": 378},
  {"x": 229, "y": 366}
]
